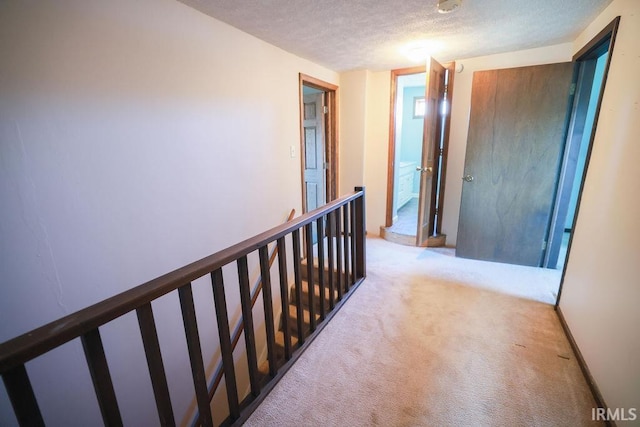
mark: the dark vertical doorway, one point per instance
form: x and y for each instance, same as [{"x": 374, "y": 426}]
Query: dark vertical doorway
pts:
[
  {"x": 590, "y": 76},
  {"x": 588, "y": 88}
]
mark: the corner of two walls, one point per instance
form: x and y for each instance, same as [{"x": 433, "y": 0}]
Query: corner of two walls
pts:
[
  {"x": 364, "y": 139},
  {"x": 353, "y": 87},
  {"x": 600, "y": 292}
]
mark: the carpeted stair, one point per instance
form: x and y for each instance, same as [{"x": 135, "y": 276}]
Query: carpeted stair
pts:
[{"x": 293, "y": 312}]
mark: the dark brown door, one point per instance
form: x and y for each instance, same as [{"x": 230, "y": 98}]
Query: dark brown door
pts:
[
  {"x": 434, "y": 94},
  {"x": 516, "y": 132}
]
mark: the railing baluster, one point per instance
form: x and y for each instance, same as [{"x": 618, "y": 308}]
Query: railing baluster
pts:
[
  {"x": 99, "y": 369},
  {"x": 267, "y": 302},
  {"x": 330, "y": 255},
  {"x": 352, "y": 240},
  {"x": 308, "y": 234},
  {"x": 361, "y": 235},
  {"x": 321, "y": 285},
  {"x": 284, "y": 296},
  {"x": 155, "y": 364},
  {"x": 345, "y": 231},
  {"x": 338, "y": 254},
  {"x": 195, "y": 353},
  {"x": 226, "y": 350},
  {"x": 344, "y": 269},
  {"x": 23, "y": 401},
  {"x": 247, "y": 319},
  {"x": 297, "y": 267}
]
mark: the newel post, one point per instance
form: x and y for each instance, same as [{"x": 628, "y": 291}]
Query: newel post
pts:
[{"x": 360, "y": 235}]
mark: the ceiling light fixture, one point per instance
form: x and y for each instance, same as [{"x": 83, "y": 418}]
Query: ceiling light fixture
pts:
[
  {"x": 420, "y": 50},
  {"x": 448, "y": 6}
]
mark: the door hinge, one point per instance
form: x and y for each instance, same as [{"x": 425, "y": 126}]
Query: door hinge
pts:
[
  {"x": 544, "y": 245},
  {"x": 325, "y": 109},
  {"x": 572, "y": 89}
]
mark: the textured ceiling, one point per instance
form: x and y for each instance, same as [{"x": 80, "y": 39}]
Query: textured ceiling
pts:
[{"x": 369, "y": 34}]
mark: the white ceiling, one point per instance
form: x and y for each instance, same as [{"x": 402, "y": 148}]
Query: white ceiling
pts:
[{"x": 369, "y": 34}]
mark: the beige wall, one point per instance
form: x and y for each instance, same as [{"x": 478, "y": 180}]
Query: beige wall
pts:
[
  {"x": 131, "y": 132},
  {"x": 601, "y": 289},
  {"x": 364, "y": 130},
  {"x": 460, "y": 118},
  {"x": 353, "y": 89},
  {"x": 377, "y": 148}
]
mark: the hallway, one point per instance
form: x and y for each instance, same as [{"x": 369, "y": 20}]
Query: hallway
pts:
[{"x": 430, "y": 339}]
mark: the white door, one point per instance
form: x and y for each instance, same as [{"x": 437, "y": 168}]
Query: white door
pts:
[{"x": 314, "y": 151}]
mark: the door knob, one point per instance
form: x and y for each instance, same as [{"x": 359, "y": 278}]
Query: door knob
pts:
[
  {"x": 468, "y": 178},
  {"x": 427, "y": 169}
]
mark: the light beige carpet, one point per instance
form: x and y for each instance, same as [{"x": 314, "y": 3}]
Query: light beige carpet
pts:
[{"x": 433, "y": 340}]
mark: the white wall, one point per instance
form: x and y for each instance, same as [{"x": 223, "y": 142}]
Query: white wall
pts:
[
  {"x": 460, "y": 107},
  {"x": 130, "y": 133},
  {"x": 353, "y": 86},
  {"x": 364, "y": 139},
  {"x": 376, "y": 150},
  {"x": 601, "y": 293}
]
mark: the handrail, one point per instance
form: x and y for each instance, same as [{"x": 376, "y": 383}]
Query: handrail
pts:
[
  {"x": 86, "y": 323},
  {"x": 237, "y": 332},
  {"x": 25, "y": 347}
]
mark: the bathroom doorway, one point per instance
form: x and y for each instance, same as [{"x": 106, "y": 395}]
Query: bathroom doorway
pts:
[{"x": 420, "y": 106}]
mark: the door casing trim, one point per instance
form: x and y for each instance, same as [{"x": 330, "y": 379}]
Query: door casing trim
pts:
[
  {"x": 391, "y": 167},
  {"x": 330, "y": 135},
  {"x": 605, "y": 37},
  {"x": 450, "y": 66}
]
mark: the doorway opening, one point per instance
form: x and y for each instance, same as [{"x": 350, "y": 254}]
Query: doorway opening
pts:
[
  {"x": 318, "y": 142},
  {"x": 590, "y": 76},
  {"x": 525, "y": 167},
  {"x": 409, "y": 109},
  {"x": 418, "y": 142}
]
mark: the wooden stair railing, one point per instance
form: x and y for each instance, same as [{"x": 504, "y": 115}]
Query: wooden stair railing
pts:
[
  {"x": 237, "y": 331},
  {"x": 342, "y": 222}
]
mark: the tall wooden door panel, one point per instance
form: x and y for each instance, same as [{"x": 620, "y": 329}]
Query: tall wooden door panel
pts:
[
  {"x": 434, "y": 94},
  {"x": 516, "y": 133}
]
